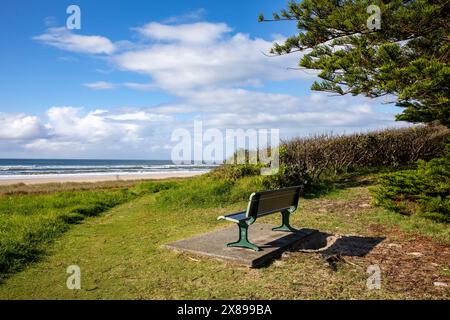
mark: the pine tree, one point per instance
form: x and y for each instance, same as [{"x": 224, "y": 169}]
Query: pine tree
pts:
[{"x": 406, "y": 58}]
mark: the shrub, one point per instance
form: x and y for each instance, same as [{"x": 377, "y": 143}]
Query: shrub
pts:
[
  {"x": 233, "y": 172},
  {"x": 330, "y": 154},
  {"x": 424, "y": 191},
  {"x": 311, "y": 161}
]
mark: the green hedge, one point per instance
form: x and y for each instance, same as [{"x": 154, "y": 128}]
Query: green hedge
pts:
[
  {"x": 329, "y": 154},
  {"x": 312, "y": 161}
]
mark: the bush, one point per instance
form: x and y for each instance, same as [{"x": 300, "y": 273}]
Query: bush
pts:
[
  {"x": 234, "y": 172},
  {"x": 311, "y": 162},
  {"x": 331, "y": 155},
  {"x": 424, "y": 191}
]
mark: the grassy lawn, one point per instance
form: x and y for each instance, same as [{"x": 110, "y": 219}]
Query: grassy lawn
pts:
[
  {"x": 29, "y": 222},
  {"x": 120, "y": 256},
  {"x": 30, "y": 217}
]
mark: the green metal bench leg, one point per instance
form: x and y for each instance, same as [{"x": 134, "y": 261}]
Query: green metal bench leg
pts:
[
  {"x": 243, "y": 239},
  {"x": 285, "y": 226}
]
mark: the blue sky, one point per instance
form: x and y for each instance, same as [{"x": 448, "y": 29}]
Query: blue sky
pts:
[
  {"x": 33, "y": 69},
  {"x": 137, "y": 70}
]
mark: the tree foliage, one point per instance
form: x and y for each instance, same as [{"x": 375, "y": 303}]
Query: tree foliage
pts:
[{"x": 407, "y": 58}]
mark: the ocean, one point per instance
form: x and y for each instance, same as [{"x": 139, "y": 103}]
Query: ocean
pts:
[{"x": 26, "y": 168}]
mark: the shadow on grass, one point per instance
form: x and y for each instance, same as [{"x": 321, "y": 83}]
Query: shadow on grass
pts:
[
  {"x": 335, "y": 248},
  {"x": 350, "y": 246},
  {"x": 22, "y": 260}
]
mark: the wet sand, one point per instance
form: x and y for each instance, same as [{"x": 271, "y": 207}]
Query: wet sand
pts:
[{"x": 96, "y": 178}]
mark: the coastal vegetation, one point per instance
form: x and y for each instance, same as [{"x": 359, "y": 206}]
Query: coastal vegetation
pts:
[
  {"x": 383, "y": 196},
  {"x": 400, "y": 51},
  {"x": 33, "y": 218},
  {"x": 119, "y": 251}
]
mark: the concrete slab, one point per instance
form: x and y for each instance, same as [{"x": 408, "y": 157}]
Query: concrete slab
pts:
[{"x": 213, "y": 244}]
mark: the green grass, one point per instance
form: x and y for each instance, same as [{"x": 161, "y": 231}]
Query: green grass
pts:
[
  {"x": 120, "y": 254},
  {"x": 120, "y": 257},
  {"x": 29, "y": 222}
]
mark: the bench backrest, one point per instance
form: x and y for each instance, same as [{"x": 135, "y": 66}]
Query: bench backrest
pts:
[{"x": 267, "y": 202}]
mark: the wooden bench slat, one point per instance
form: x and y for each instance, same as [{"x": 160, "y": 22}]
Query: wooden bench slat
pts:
[{"x": 267, "y": 202}]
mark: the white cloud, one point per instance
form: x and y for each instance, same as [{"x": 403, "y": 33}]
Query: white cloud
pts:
[
  {"x": 104, "y": 85},
  {"x": 54, "y": 146},
  {"x": 199, "y": 33},
  {"x": 240, "y": 101},
  {"x": 231, "y": 108},
  {"x": 100, "y": 85},
  {"x": 72, "y": 131},
  {"x": 184, "y": 56},
  {"x": 139, "y": 116},
  {"x": 139, "y": 86},
  {"x": 68, "y": 123},
  {"x": 140, "y": 133},
  {"x": 73, "y": 124},
  {"x": 235, "y": 61},
  {"x": 189, "y": 16},
  {"x": 62, "y": 38},
  {"x": 20, "y": 127}
]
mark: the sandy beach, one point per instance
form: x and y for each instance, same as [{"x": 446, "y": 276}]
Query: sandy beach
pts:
[{"x": 96, "y": 178}]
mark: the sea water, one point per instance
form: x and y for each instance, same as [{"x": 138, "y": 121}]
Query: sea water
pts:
[{"x": 28, "y": 168}]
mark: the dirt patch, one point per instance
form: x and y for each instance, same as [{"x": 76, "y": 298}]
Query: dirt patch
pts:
[
  {"x": 412, "y": 264},
  {"x": 352, "y": 206}
]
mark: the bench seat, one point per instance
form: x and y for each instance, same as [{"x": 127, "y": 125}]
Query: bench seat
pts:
[{"x": 234, "y": 217}]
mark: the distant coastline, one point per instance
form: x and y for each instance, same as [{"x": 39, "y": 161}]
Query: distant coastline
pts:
[
  {"x": 32, "y": 171},
  {"x": 92, "y": 178}
]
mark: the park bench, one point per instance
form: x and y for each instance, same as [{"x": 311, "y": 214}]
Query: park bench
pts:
[{"x": 261, "y": 204}]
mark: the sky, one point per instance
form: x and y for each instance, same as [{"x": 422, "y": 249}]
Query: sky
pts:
[{"x": 135, "y": 71}]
